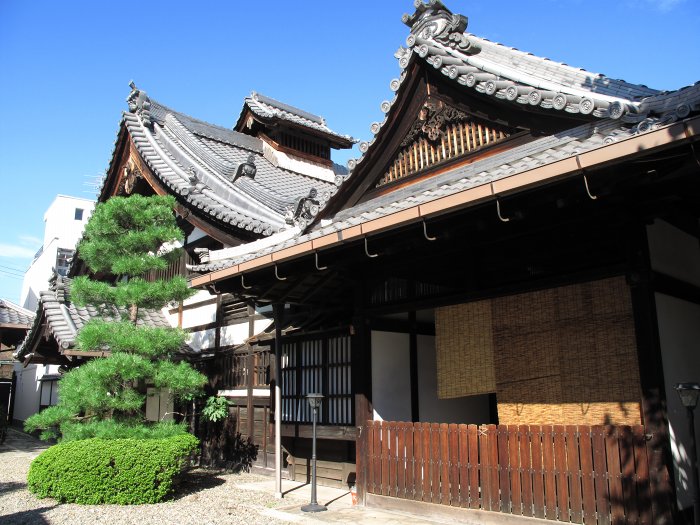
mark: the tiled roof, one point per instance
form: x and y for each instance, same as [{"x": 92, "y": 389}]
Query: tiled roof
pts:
[
  {"x": 12, "y": 314},
  {"x": 64, "y": 320},
  {"x": 438, "y": 38},
  {"x": 536, "y": 154},
  {"x": 229, "y": 178},
  {"x": 269, "y": 108}
]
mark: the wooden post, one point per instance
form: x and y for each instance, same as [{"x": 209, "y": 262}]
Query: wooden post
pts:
[
  {"x": 277, "y": 312},
  {"x": 651, "y": 376},
  {"x": 250, "y": 376},
  {"x": 413, "y": 365},
  {"x": 361, "y": 370}
]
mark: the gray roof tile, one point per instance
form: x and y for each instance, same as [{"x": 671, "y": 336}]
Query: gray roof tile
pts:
[
  {"x": 12, "y": 314},
  {"x": 197, "y": 161},
  {"x": 270, "y": 108},
  {"x": 64, "y": 319}
]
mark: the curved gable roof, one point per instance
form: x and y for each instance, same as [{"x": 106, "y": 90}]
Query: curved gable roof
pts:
[{"x": 227, "y": 178}]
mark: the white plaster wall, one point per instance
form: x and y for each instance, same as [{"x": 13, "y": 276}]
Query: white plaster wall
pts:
[
  {"x": 203, "y": 339},
  {"x": 61, "y": 230},
  {"x": 391, "y": 380},
  {"x": 234, "y": 334},
  {"x": 28, "y": 389},
  {"x": 201, "y": 315},
  {"x": 674, "y": 252},
  {"x": 679, "y": 334},
  {"x": 431, "y": 409},
  {"x": 60, "y": 219}
]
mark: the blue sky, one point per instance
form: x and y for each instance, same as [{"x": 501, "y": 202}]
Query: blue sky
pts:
[{"x": 66, "y": 66}]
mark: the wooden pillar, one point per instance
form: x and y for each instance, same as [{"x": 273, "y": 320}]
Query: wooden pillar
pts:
[
  {"x": 413, "y": 365},
  {"x": 361, "y": 384},
  {"x": 651, "y": 375},
  {"x": 277, "y": 313},
  {"x": 250, "y": 376}
]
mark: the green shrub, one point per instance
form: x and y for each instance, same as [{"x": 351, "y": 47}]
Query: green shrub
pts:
[
  {"x": 122, "y": 471},
  {"x": 110, "y": 429}
]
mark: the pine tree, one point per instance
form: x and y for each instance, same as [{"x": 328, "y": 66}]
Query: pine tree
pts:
[{"x": 125, "y": 238}]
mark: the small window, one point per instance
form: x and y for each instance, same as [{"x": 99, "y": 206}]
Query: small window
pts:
[
  {"x": 78, "y": 214},
  {"x": 63, "y": 260}
]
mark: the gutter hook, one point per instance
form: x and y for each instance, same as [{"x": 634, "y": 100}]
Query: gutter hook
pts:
[
  {"x": 588, "y": 191},
  {"x": 243, "y": 284},
  {"x": 498, "y": 211},
  {"x": 319, "y": 268},
  {"x": 425, "y": 232},
  {"x": 370, "y": 255}
]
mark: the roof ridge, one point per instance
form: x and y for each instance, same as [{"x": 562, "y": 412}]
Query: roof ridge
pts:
[{"x": 259, "y": 97}]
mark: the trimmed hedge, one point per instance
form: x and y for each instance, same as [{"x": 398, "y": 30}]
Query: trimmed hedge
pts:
[{"x": 123, "y": 471}]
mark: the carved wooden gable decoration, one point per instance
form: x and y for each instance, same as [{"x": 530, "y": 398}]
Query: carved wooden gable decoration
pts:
[{"x": 441, "y": 132}]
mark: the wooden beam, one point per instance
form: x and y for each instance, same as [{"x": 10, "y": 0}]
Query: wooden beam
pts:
[
  {"x": 87, "y": 353},
  {"x": 651, "y": 375}
]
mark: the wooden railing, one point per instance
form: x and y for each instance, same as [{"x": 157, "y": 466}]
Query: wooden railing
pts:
[
  {"x": 236, "y": 368},
  {"x": 580, "y": 474}
]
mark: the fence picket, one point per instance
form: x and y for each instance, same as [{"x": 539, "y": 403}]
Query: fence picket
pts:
[
  {"x": 401, "y": 460},
  {"x": 435, "y": 462},
  {"x": 484, "y": 468},
  {"x": 466, "y": 489},
  {"x": 453, "y": 432},
  {"x": 516, "y": 501},
  {"x": 493, "y": 466},
  {"x": 475, "y": 486},
  {"x": 525, "y": 440},
  {"x": 560, "y": 469},
  {"x": 504, "y": 469},
  {"x": 384, "y": 464},
  {"x": 642, "y": 470},
  {"x": 627, "y": 471},
  {"x": 418, "y": 461},
  {"x": 574, "y": 473},
  {"x": 427, "y": 463},
  {"x": 444, "y": 464},
  {"x": 600, "y": 469},
  {"x": 587, "y": 484},
  {"x": 612, "y": 452},
  {"x": 410, "y": 462},
  {"x": 550, "y": 480},
  {"x": 537, "y": 470}
]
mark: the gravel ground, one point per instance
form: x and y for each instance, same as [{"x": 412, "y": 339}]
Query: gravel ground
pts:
[{"x": 206, "y": 497}]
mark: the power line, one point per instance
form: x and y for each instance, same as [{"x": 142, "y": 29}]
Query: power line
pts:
[
  {"x": 14, "y": 270},
  {"x": 10, "y": 276},
  {"x": 20, "y": 270}
]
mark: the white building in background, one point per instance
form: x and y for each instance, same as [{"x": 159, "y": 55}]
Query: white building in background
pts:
[{"x": 64, "y": 222}]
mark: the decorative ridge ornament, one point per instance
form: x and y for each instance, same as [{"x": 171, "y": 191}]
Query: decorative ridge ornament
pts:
[
  {"x": 435, "y": 21},
  {"x": 140, "y": 104},
  {"x": 304, "y": 210},
  {"x": 431, "y": 121}
]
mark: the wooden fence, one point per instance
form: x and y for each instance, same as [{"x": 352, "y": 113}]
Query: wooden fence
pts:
[{"x": 580, "y": 474}]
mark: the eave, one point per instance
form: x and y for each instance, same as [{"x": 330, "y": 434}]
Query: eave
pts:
[{"x": 576, "y": 166}]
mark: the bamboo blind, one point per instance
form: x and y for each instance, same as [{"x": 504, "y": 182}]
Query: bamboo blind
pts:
[
  {"x": 560, "y": 356},
  {"x": 456, "y": 139},
  {"x": 465, "y": 361}
]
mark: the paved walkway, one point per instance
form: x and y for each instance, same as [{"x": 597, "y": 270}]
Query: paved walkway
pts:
[{"x": 19, "y": 444}]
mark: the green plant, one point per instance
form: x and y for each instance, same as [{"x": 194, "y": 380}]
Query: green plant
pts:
[
  {"x": 125, "y": 238},
  {"x": 216, "y": 408},
  {"x": 122, "y": 471}
]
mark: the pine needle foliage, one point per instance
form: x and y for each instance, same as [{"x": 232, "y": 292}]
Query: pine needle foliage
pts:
[{"x": 125, "y": 238}]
